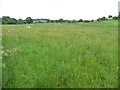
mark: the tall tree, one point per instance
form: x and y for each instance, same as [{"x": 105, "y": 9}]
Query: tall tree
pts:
[
  {"x": 61, "y": 20},
  {"x": 103, "y": 18},
  {"x": 20, "y": 21},
  {"x": 98, "y": 19},
  {"x": 110, "y": 16},
  {"x": 81, "y": 20},
  {"x": 48, "y": 20},
  {"x": 29, "y": 20},
  {"x": 5, "y": 19},
  {"x": 92, "y": 20}
]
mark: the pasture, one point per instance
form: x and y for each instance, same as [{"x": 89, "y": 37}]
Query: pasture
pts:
[{"x": 81, "y": 55}]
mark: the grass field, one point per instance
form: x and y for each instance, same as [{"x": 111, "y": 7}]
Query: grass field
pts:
[{"x": 82, "y": 55}]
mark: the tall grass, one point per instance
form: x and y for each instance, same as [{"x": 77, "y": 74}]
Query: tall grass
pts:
[{"x": 61, "y": 55}]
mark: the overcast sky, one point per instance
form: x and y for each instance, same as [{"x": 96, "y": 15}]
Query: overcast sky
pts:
[{"x": 55, "y": 9}]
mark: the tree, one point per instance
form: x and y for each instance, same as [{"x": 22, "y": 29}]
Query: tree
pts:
[
  {"x": 20, "y": 21},
  {"x": 29, "y": 20},
  {"x": 69, "y": 21},
  {"x": 98, "y": 19},
  {"x": 115, "y": 18},
  {"x": 56, "y": 21},
  {"x": 8, "y": 20},
  {"x": 103, "y": 18},
  {"x": 48, "y": 20},
  {"x": 61, "y": 20},
  {"x": 87, "y": 21},
  {"x": 66, "y": 21},
  {"x": 110, "y": 16},
  {"x": 52, "y": 21},
  {"x": 80, "y": 20},
  {"x": 12, "y": 21},
  {"x": 74, "y": 21},
  {"x": 5, "y": 19},
  {"x": 92, "y": 20}
]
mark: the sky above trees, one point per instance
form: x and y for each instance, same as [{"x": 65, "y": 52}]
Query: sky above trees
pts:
[{"x": 55, "y": 9}]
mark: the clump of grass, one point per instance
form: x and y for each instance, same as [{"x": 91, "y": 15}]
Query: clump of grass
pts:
[{"x": 11, "y": 52}]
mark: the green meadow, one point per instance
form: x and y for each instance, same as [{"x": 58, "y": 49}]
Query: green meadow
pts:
[{"x": 51, "y": 55}]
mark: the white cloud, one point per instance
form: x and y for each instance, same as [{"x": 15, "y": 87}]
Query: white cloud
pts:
[{"x": 55, "y": 9}]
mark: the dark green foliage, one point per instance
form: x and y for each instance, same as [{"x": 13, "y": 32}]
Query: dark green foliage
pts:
[
  {"x": 103, "y": 18},
  {"x": 92, "y": 20},
  {"x": 56, "y": 21},
  {"x": 110, "y": 16},
  {"x": 5, "y": 19},
  {"x": 12, "y": 21},
  {"x": 61, "y": 20},
  {"x": 115, "y": 18},
  {"x": 8, "y": 20},
  {"x": 69, "y": 21},
  {"x": 80, "y": 20},
  {"x": 52, "y": 21},
  {"x": 48, "y": 20},
  {"x": 20, "y": 21},
  {"x": 87, "y": 21},
  {"x": 66, "y": 21},
  {"x": 98, "y": 19},
  {"x": 29, "y": 20},
  {"x": 74, "y": 21}
]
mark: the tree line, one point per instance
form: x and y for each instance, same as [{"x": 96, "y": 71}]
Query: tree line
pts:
[
  {"x": 8, "y": 20},
  {"x": 29, "y": 20}
]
